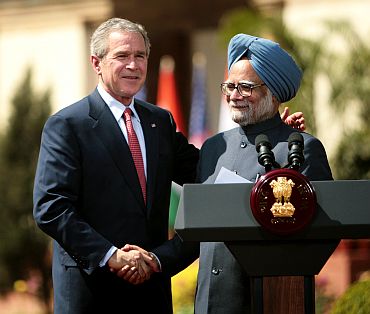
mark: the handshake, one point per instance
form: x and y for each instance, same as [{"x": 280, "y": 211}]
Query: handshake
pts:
[{"x": 133, "y": 264}]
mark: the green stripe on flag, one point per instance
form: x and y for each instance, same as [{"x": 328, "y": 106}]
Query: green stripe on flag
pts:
[{"x": 174, "y": 203}]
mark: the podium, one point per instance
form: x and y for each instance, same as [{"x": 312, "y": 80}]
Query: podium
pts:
[{"x": 282, "y": 267}]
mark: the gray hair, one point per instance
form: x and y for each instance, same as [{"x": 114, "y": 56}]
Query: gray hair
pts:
[{"x": 99, "y": 40}]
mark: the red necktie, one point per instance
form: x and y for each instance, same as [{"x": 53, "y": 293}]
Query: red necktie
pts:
[{"x": 135, "y": 150}]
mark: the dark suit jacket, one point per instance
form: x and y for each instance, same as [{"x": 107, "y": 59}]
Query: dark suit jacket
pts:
[
  {"x": 223, "y": 287},
  {"x": 87, "y": 197}
]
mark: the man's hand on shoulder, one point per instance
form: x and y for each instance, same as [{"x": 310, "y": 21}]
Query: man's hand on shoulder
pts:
[{"x": 295, "y": 120}]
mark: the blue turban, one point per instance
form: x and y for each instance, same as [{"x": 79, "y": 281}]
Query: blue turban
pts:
[{"x": 273, "y": 64}]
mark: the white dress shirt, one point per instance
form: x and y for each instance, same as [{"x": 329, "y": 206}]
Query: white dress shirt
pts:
[{"x": 117, "y": 109}]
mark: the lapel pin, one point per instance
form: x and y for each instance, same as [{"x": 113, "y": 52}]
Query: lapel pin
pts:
[{"x": 154, "y": 125}]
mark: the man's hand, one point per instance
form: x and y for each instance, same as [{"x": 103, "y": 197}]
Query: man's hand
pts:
[
  {"x": 130, "y": 274},
  {"x": 132, "y": 261},
  {"x": 133, "y": 264},
  {"x": 295, "y": 120},
  {"x": 152, "y": 262}
]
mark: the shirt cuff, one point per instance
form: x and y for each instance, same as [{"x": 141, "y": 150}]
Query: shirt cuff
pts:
[
  {"x": 107, "y": 256},
  {"x": 157, "y": 259}
]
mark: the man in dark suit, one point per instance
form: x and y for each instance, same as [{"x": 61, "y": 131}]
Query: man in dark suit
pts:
[
  {"x": 261, "y": 76},
  {"x": 103, "y": 181}
]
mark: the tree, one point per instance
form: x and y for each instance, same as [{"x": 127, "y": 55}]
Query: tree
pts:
[
  {"x": 23, "y": 248},
  {"x": 351, "y": 88}
]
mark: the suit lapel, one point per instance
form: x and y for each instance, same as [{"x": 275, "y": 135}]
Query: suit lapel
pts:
[{"x": 109, "y": 133}]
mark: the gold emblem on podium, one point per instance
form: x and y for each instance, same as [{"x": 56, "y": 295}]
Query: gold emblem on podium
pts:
[
  {"x": 283, "y": 201},
  {"x": 282, "y": 190}
]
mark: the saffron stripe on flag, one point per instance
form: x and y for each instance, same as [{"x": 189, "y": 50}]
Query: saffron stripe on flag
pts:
[{"x": 167, "y": 96}]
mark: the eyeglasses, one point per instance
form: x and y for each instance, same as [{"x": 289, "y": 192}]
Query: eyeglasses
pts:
[{"x": 244, "y": 89}]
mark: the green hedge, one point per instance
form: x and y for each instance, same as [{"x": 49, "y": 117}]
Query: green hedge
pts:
[{"x": 356, "y": 300}]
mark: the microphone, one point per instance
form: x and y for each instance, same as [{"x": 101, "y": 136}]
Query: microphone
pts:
[
  {"x": 266, "y": 157},
  {"x": 296, "y": 146}
]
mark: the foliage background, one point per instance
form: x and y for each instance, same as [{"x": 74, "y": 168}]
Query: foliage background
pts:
[
  {"x": 24, "y": 250},
  {"x": 356, "y": 300}
]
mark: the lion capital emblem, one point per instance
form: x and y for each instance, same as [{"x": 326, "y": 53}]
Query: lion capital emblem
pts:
[{"x": 282, "y": 190}]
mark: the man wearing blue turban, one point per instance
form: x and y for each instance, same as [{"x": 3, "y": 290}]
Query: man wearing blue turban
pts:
[
  {"x": 273, "y": 65},
  {"x": 261, "y": 76}
]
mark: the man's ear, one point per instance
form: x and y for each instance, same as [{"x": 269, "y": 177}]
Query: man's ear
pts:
[{"x": 95, "y": 62}]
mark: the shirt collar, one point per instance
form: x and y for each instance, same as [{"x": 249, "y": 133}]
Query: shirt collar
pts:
[
  {"x": 115, "y": 106},
  {"x": 261, "y": 127}
]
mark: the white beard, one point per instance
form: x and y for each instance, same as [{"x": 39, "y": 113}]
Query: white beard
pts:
[{"x": 264, "y": 110}]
